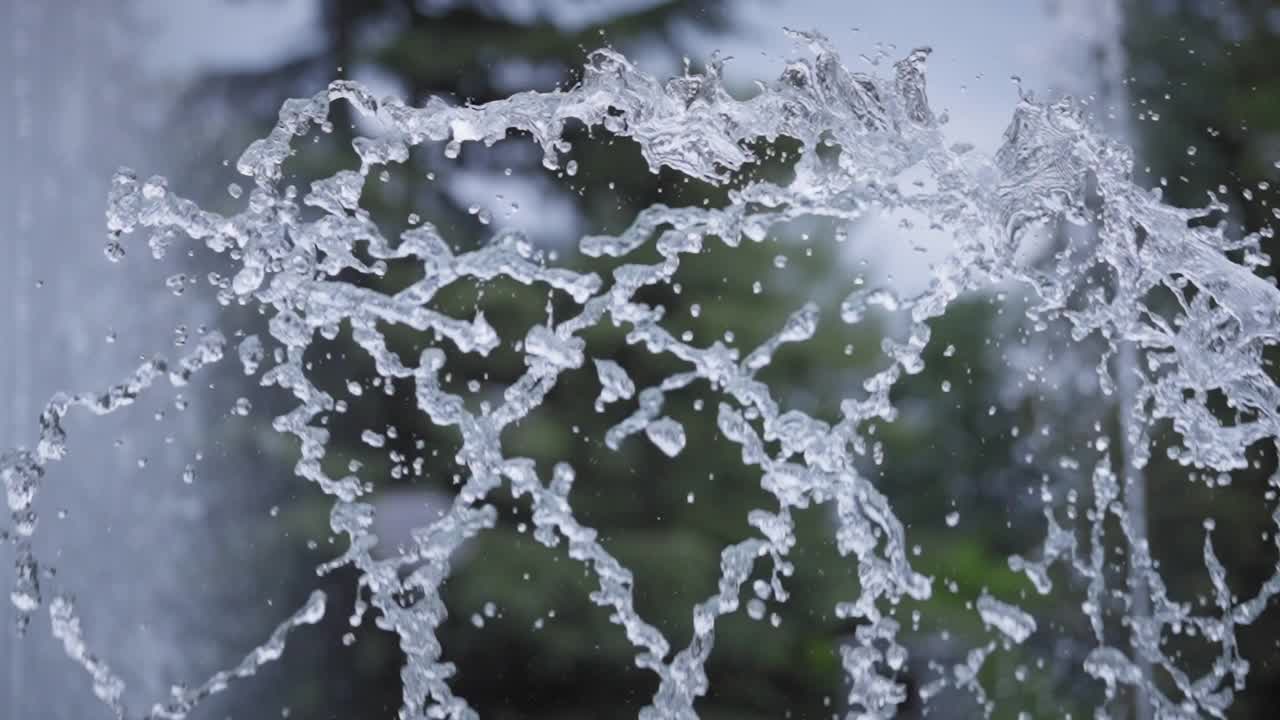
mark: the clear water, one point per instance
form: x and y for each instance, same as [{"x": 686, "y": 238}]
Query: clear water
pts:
[{"x": 1167, "y": 287}]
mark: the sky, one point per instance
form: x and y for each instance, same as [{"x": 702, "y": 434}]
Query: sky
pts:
[{"x": 977, "y": 48}]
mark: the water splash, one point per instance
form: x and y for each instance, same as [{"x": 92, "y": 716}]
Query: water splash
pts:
[{"x": 1052, "y": 170}]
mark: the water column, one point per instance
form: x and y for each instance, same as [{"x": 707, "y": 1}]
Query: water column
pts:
[
  {"x": 1089, "y": 38},
  {"x": 13, "y": 312},
  {"x": 112, "y": 515}
]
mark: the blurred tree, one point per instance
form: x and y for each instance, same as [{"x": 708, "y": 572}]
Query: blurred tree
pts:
[
  {"x": 522, "y": 631},
  {"x": 1206, "y": 101}
]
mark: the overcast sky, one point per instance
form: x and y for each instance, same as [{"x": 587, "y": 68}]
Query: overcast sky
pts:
[{"x": 977, "y": 47}]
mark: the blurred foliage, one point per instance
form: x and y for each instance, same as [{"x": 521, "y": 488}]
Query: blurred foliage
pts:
[
  {"x": 1205, "y": 111},
  {"x": 979, "y": 436}
]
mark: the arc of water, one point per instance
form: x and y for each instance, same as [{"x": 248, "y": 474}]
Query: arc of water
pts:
[{"x": 882, "y": 126}]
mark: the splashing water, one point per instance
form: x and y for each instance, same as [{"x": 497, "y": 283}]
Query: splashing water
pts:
[{"x": 1053, "y": 170}]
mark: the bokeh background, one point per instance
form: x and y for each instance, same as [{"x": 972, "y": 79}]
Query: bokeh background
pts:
[{"x": 178, "y": 579}]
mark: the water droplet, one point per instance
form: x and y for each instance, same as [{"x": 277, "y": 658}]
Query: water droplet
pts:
[{"x": 113, "y": 250}]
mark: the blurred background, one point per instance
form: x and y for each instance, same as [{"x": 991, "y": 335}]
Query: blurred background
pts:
[{"x": 184, "y": 534}]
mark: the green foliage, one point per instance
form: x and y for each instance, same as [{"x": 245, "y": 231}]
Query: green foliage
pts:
[
  {"x": 1202, "y": 76},
  {"x": 526, "y": 639}
]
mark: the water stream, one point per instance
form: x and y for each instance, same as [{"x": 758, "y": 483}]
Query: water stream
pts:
[{"x": 1168, "y": 288}]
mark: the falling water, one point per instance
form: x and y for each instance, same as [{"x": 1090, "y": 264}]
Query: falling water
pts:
[
  {"x": 299, "y": 253},
  {"x": 73, "y": 98}
]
